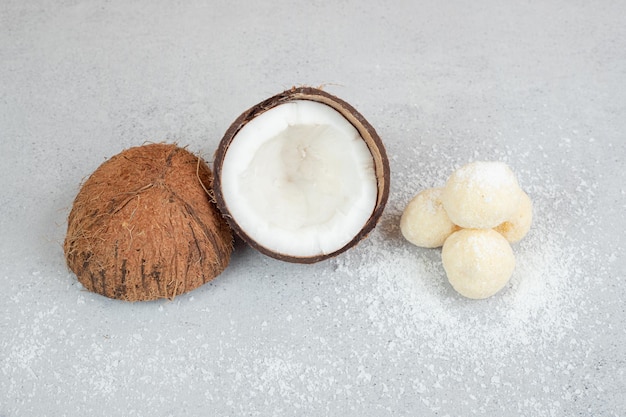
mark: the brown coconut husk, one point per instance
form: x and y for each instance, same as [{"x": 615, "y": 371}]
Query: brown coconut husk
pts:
[
  {"x": 142, "y": 226},
  {"x": 365, "y": 129}
]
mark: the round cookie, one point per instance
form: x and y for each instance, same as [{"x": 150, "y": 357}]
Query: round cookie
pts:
[
  {"x": 424, "y": 221},
  {"x": 478, "y": 262},
  {"x": 481, "y": 195},
  {"x": 518, "y": 226}
]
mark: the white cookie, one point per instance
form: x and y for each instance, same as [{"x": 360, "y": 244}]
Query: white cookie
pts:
[
  {"x": 518, "y": 226},
  {"x": 481, "y": 195},
  {"x": 424, "y": 221},
  {"x": 478, "y": 262}
]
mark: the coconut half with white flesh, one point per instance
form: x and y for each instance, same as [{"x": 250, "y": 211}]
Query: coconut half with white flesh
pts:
[{"x": 301, "y": 176}]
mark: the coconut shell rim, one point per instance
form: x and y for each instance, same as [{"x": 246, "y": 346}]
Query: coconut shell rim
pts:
[{"x": 367, "y": 133}]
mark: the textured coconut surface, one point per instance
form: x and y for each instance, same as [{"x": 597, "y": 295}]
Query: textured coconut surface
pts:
[
  {"x": 144, "y": 226},
  {"x": 376, "y": 331}
]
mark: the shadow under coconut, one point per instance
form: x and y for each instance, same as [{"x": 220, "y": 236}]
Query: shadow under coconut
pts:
[{"x": 389, "y": 226}]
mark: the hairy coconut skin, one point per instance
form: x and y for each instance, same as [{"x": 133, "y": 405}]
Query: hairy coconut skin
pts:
[
  {"x": 142, "y": 226},
  {"x": 365, "y": 129}
]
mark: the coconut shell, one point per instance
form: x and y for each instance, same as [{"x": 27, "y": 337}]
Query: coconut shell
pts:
[
  {"x": 365, "y": 129},
  {"x": 143, "y": 227}
]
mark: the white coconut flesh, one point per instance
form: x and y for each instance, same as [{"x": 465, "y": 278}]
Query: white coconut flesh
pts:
[{"x": 299, "y": 179}]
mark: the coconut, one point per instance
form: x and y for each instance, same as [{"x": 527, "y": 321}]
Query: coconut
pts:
[
  {"x": 142, "y": 226},
  {"x": 301, "y": 176}
]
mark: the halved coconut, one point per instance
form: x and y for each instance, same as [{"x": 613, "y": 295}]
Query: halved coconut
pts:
[
  {"x": 143, "y": 228},
  {"x": 301, "y": 176}
]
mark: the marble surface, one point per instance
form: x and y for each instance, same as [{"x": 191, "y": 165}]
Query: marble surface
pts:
[{"x": 376, "y": 331}]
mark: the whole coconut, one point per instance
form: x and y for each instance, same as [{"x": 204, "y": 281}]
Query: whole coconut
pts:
[{"x": 142, "y": 226}]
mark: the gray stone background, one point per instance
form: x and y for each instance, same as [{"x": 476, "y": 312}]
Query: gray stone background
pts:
[{"x": 376, "y": 331}]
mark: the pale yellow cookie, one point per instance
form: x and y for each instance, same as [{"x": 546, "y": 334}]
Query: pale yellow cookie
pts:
[
  {"x": 478, "y": 262},
  {"x": 518, "y": 226},
  {"x": 424, "y": 221},
  {"x": 481, "y": 195}
]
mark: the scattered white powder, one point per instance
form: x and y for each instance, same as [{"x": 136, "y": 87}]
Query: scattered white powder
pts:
[
  {"x": 411, "y": 294},
  {"x": 406, "y": 295},
  {"x": 493, "y": 173},
  {"x": 375, "y": 331}
]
